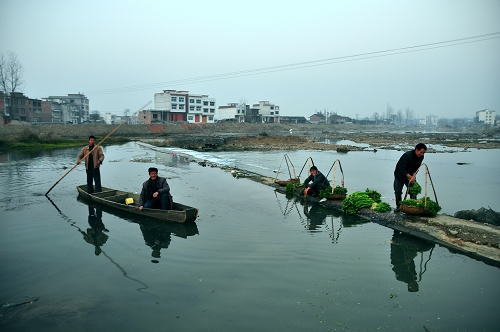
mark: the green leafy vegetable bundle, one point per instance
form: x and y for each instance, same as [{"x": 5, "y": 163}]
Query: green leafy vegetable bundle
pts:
[
  {"x": 431, "y": 207},
  {"x": 415, "y": 189},
  {"x": 373, "y": 194},
  {"x": 381, "y": 207},
  {"x": 356, "y": 201},
  {"x": 338, "y": 190},
  {"x": 290, "y": 188}
]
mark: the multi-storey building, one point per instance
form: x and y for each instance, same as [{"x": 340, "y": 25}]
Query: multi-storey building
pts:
[
  {"x": 17, "y": 106},
  {"x": 231, "y": 112},
  {"x": 178, "y": 105},
  {"x": 73, "y": 108},
  {"x": 270, "y": 113},
  {"x": 486, "y": 117}
]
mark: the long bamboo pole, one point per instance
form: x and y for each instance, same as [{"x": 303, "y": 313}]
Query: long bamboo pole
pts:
[{"x": 98, "y": 144}]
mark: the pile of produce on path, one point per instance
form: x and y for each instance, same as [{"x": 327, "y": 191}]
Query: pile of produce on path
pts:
[
  {"x": 373, "y": 194},
  {"x": 355, "y": 202},
  {"x": 381, "y": 207}
]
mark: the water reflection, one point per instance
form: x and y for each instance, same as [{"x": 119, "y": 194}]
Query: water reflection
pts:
[
  {"x": 314, "y": 216},
  {"x": 95, "y": 235},
  {"x": 157, "y": 234},
  {"x": 404, "y": 250}
]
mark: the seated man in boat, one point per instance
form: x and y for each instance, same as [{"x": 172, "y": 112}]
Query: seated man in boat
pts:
[
  {"x": 155, "y": 193},
  {"x": 319, "y": 182}
]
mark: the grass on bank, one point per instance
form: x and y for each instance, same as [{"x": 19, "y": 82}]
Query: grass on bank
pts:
[{"x": 33, "y": 142}]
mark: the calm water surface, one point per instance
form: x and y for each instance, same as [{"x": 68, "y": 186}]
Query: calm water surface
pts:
[{"x": 254, "y": 260}]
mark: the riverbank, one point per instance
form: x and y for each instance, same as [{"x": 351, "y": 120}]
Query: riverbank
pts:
[{"x": 244, "y": 136}]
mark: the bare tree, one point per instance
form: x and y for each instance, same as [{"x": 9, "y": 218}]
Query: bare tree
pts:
[
  {"x": 375, "y": 117},
  {"x": 399, "y": 116},
  {"x": 11, "y": 73},
  {"x": 95, "y": 116},
  {"x": 389, "y": 113},
  {"x": 409, "y": 115}
]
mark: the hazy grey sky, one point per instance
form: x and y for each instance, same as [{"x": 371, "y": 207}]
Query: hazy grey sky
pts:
[{"x": 142, "y": 47}]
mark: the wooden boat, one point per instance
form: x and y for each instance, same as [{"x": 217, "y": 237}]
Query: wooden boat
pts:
[{"x": 116, "y": 199}]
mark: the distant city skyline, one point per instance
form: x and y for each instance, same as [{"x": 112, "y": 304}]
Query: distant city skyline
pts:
[{"x": 352, "y": 57}]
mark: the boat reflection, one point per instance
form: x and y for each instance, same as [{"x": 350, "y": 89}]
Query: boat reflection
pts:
[
  {"x": 157, "y": 234},
  {"x": 404, "y": 250}
]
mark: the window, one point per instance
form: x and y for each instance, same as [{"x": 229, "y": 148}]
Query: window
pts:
[
  {"x": 23, "y": 111},
  {"x": 272, "y": 107},
  {"x": 173, "y": 99},
  {"x": 277, "y": 112},
  {"x": 205, "y": 103},
  {"x": 212, "y": 110},
  {"x": 205, "y": 110},
  {"x": 174, "y": 106},
  {"x": 212, "y": 103},
  {"x": 210, "y": 118},
  {"x": 181, "y": 106},
  {"x": 198, "y": 101},
  {"x": 181, "y": 99},
  {"x": 191, "y": 108},
  {"x": 198, "y": 108},
  {"x": 191, "y": 100},
  {"x": 190, "y": 118},
  {"x": 155, "y": 116}
]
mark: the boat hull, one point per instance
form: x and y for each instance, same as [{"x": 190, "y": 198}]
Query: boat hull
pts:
[{"x": 116, "y": 199}]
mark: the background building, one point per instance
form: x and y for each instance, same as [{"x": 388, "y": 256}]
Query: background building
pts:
[
  {"x": 486, "y": 117},
  {"x": 18, "y": 107},
  {"x": 178, "y": 105},
  {"x": 73, "y": 108}
]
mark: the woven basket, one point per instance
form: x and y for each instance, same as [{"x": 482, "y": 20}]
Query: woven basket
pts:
[
  {"x": 414, "y": 210},
  {"x": 336, "y": 196},
  {"x": 285, "y": 182}
]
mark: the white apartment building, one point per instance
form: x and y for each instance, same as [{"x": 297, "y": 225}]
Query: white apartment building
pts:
[
  {"x": 178, "y": 105},
  {"x": 270, "y": 113},
  {"x": 72, "y": 108},
  {"x": 486, "y": 117},
  {"x": 231, "y": 112}
]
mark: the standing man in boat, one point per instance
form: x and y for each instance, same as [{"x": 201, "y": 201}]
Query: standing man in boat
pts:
[
  {"x": 319, "y": 182},
  {"x": 93, "y": 159},
  {"x": 405, "y": 170},
  {"x": 155, "y": 193}
]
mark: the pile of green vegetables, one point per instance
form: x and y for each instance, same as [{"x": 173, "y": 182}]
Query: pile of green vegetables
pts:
[
  {"x": 415, "y": 189},
  {"x": 373, "y": 194},
  {"x": 356, "y": 201},
  {"x": 429, "y": 205},
  {"x": 290, "y": 188},
  {"x": 381, "y": 207},
  {"x": 338, "y": 190}
]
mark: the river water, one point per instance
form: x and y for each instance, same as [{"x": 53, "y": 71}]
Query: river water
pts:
[{"x": 253, "y": 260}]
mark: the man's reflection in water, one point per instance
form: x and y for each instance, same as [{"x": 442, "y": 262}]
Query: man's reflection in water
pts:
[
  {"x": 316, "y": 215},
  {"x": 95, "y": 234},
  {"x": 404, "y": 248},
  {"x": 156, "y": 239}
]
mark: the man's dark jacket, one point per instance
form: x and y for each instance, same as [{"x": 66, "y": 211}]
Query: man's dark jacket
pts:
[
  {"x": 407, "y": 164},
  {"x": 147, "y": 190},
  {"x": 319, "y": 182}
]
